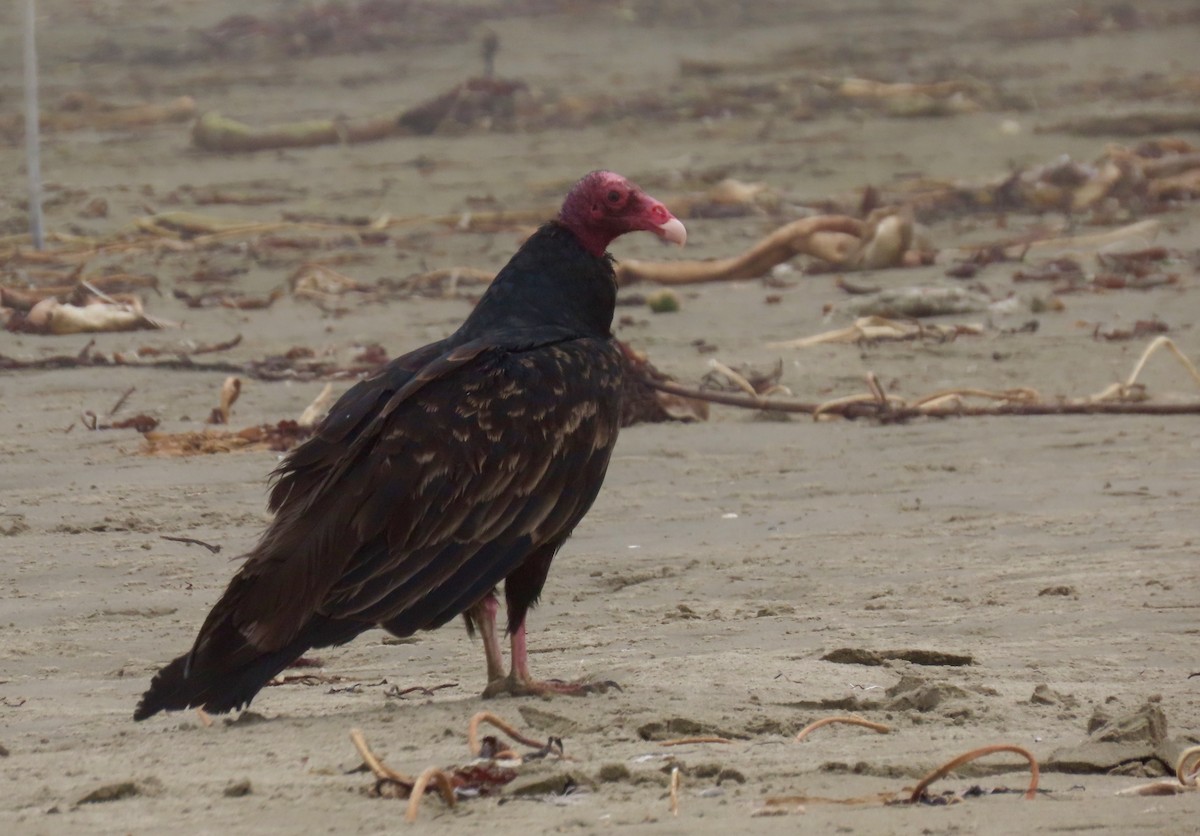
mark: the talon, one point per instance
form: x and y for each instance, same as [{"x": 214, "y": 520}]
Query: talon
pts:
[
  {"x": 515, "y": 687},
  {"x": 519, "y": 682},
  {"x": 603, "y": 686},
  {"x": 497, "y": 687}
]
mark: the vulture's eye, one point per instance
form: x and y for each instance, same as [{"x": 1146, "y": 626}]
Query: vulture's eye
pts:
[{"x": 614, "y": 196}]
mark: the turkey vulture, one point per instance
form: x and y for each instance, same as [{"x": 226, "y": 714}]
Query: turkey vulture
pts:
[{"x": 457, "y": 466}]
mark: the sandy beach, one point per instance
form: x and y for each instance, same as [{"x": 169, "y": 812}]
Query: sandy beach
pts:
[{"x": 1014, "y": 579}]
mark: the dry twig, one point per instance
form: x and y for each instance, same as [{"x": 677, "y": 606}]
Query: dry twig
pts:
[
  {"x": 446, "y": 281},
  {"x": 423, "y": 690},
  {"x": 797, "y": 802},
  {"x": 191, "y": 541},
  {"x": 675, "y": 780},
  {"x": 687, "y": 741},
  {"x": 737, "y": 378},
  {"x": 121, "y": 400},
  {"x": 1146, "y": 230},
  {"x": 871, "y": 329},
  {"x": 231, "y": 388}
]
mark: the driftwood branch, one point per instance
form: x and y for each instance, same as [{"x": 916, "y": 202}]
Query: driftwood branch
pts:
[
  {"x": 890, "y": 411},
  {"x": 830, "y": 238},
  {"x": 476, "y": 101},
  {"x": 692, "y": 741},
  {"x": 1129, "y": 124},
  {"x": 78, "y": 111},
  {"x": 1117, "y": 399},
  {"x": 214, "y": 132}
]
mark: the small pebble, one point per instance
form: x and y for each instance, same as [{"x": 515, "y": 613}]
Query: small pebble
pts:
[{"x": 238, "y": 789}]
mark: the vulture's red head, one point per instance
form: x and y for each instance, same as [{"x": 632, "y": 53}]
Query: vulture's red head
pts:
[{"x": 604, "y": 205}]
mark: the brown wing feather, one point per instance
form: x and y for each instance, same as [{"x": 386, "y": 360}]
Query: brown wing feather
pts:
[
  {"x": 511, "y": 473},
  {"x": 476, "y": 458}
]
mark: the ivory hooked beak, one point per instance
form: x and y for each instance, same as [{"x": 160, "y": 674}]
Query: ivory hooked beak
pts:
[{"x": 673, "y": 231}]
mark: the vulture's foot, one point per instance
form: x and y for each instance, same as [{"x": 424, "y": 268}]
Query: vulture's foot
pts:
[{"x": 515, "y": 687}]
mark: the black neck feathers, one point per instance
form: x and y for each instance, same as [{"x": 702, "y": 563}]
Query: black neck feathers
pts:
[{"x": 551, "y": 281}]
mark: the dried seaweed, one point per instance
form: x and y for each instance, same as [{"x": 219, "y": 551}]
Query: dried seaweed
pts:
[{"x": 492, "y": 767}]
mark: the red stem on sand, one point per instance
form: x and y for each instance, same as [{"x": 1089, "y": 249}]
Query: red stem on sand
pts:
[{"x": 950, "y": 766}]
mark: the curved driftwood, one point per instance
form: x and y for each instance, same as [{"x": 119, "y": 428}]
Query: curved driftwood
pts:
[{"x": 828, "y": 237}]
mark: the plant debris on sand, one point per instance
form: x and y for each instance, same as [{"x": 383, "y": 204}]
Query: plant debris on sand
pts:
[{"x": 947, "y": 219}]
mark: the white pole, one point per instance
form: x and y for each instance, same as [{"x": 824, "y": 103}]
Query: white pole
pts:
[{"x": 32, "y": 159}]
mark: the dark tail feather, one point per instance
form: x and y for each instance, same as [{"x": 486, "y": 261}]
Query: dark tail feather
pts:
[{"x": 228, "y": 672}]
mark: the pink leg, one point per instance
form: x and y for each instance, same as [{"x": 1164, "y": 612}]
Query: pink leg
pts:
[
  {"x": 520, "y": 655},
  {"x": 484, "y": 616},
  {"x": 520, "y": 682}
]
